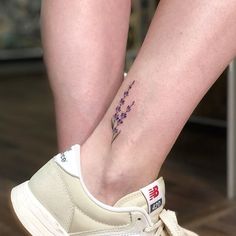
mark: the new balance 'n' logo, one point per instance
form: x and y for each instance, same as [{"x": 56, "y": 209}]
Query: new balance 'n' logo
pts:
[{"x": 153, "y": 192}]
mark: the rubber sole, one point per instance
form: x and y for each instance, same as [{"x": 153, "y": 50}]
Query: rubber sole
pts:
[{"x": 32, "y": 214}]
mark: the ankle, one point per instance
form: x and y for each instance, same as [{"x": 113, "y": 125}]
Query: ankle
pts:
[
  {"x": 112, "y": 180},
  {"x": 110, "y": 173},
  {"x": 106, "y": 181},
  {"x": 115, "y": 184}
]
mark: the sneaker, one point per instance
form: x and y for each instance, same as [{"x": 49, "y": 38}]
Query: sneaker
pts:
[{"x": 55, "y": 202}]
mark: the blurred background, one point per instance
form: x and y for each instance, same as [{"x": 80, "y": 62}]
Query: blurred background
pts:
[{"x": 195, "y": 171}]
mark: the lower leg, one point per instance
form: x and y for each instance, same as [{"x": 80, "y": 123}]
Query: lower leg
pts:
[
  {"x": 84, "y": 48},
  {"x": 187, "y": 47}
]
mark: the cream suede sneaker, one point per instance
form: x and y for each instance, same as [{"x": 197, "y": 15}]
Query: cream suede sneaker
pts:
[{"x": 55, "y": 202}]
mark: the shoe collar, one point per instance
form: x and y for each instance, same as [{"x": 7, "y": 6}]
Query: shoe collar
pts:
[{"x": 149, "y": 200}]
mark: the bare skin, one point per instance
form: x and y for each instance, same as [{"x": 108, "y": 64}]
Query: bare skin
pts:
[
  {"x": 84, "y": 49},
  {"x": 188, "y": 46}
]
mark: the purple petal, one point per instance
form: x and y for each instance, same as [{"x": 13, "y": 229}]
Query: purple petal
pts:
[
  {"x": 118, "y": 109},
  {"x": 126, "y": 93}
]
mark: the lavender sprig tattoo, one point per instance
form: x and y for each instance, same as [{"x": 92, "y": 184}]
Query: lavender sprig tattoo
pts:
[{"x": 121, "y": 114}]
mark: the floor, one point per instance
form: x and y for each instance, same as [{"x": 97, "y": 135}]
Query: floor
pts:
[{"x": 194, "y": 172}]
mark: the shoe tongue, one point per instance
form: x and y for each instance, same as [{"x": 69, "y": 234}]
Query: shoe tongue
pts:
[{"x": 151, "y": 198}]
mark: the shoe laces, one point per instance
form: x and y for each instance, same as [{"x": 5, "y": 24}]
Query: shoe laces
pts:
[{"x": 168, "y": 223}]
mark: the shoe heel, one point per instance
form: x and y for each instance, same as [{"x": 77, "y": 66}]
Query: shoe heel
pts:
[{"x": 32, "y": 214}]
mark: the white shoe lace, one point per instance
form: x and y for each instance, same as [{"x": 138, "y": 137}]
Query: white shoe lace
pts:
[{"x": 168, "y": 225}]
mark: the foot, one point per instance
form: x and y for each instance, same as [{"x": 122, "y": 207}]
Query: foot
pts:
[{"x": 55, "y": 202}]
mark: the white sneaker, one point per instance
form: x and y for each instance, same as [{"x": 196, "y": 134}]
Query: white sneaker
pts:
[{"x": 55, "y": 202}]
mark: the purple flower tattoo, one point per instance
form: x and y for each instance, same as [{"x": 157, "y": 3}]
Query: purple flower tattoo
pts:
[{"x": 121, "y": 114}]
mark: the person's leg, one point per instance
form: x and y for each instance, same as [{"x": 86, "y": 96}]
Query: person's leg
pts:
[
  {"x": 84, "y": 49},
  {"x": 188, "y": 45}
]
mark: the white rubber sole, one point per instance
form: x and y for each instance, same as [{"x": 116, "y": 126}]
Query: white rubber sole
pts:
[{"x": 32, "y": 214}]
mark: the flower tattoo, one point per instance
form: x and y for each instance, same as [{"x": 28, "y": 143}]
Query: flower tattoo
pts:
[{"x": 121, "y": 114}]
